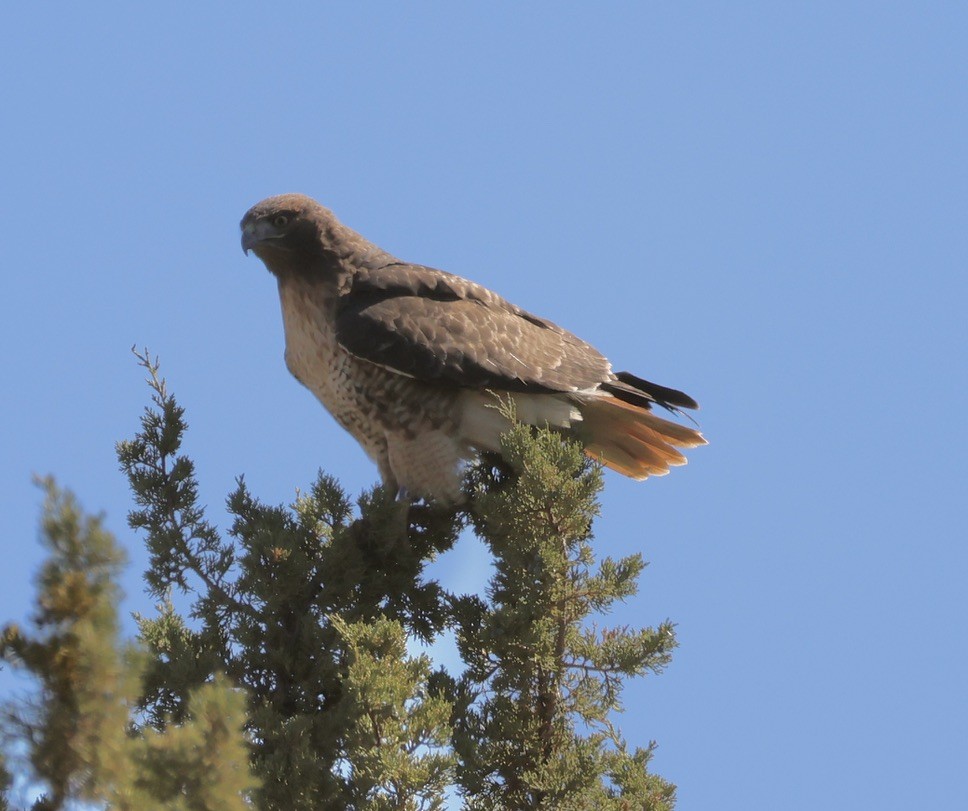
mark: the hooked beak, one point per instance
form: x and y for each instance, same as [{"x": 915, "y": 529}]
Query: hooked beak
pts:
[
  {"x": 249, "y": 239},
  {"x": 255, "y": 232}
]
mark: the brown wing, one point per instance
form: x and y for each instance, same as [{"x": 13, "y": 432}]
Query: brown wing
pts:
[{"x": 435, "y": 326}]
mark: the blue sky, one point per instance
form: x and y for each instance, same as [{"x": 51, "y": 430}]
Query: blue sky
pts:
[{"x": 763, "y": 204}]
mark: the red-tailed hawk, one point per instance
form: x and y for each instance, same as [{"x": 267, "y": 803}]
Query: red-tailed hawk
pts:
[{"x": 411, "y": 360}]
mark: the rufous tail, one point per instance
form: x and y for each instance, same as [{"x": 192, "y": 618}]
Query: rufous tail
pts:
[{"x": 631, "y": 439}]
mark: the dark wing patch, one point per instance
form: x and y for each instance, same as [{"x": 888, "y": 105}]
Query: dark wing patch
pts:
[
  {"x": 663, "y": 395},
  {"x": 644, "y": 393},
  {"x": 434, "y": 326}
]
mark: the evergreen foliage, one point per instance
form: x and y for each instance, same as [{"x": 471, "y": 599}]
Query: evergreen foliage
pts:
[
  {"x": 541, "y": 685},
  {"x": 286, "y": 681},
  {"x": 83, "y": 743}
]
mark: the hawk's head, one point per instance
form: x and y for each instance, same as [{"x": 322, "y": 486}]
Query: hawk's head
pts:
[{"x": 282, "y": 227}]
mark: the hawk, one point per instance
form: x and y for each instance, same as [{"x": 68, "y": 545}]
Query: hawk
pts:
[{"x": 410, "y": 360}]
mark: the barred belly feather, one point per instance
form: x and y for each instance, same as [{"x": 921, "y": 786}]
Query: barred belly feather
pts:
[{"x": 410, "y": 429}]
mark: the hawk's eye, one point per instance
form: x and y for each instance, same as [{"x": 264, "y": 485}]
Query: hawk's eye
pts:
[{"x": 280, "y": 221}]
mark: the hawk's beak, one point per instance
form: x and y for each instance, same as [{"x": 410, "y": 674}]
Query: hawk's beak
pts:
[{"x": 250, "y": 236}]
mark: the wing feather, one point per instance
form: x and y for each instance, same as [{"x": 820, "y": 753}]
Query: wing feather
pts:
[{"x": 434, "y": 326}]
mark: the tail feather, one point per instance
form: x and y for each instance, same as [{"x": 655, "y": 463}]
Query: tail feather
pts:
[
  {"x": 642, "y": 392},
  {"x": 626, "y": 437},
  {"x": 631, "y": 439}
]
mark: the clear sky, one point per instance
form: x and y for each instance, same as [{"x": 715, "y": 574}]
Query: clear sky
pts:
[{"x": 763, "y": 204}]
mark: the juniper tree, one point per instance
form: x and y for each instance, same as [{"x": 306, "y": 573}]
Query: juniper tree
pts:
[
  {"x": 83, "y": 741},
  {"x": 278, "y": 607},
  {"x": 307, "y": 609},
  {"x": 542, "y": 684}
]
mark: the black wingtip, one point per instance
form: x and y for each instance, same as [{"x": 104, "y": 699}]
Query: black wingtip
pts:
[{"x": 661, "y": 394}]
